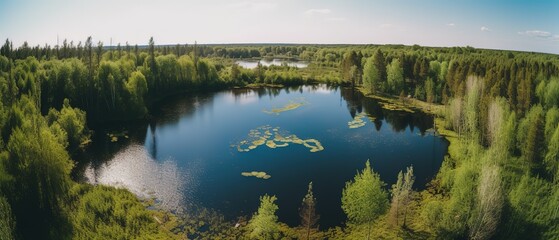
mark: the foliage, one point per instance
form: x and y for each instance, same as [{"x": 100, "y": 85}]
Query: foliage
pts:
[
  {"x": 395, "y": 77},
  {"x": 401, "y": 196},
  {"x": 105, "y": 212},
  {"x": 364, "y": 199},
  {"x": 264, "y": 223}
]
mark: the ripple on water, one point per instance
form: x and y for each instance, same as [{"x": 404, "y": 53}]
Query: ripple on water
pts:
[{"x": 134, "y": 169}]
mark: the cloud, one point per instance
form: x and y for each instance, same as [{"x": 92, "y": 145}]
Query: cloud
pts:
[
  {"x": 318, "y": 11},
  {"x": 485, "y": 29},
  {"x": 538, "y": 34},
  {"x": 450, "y": 25}
]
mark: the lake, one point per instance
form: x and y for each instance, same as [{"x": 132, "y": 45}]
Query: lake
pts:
[
  {"x": 194, "y": 150},
  {"x": 251, "y": 64}
]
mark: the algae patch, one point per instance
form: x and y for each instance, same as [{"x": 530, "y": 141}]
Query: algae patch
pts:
[
  {"x": 274, "y": 138},
  {"x": 115, "y": 136},
  {"x": 261, "y": 175},
  {"x": 357, "y": 121},
  {"x": 292, "y": 105}
]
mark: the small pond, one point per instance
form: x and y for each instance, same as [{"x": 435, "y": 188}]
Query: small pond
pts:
[{"x": 196, "y": 148}]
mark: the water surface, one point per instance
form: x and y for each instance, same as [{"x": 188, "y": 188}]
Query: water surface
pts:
[{"x": 187, "y": 156}]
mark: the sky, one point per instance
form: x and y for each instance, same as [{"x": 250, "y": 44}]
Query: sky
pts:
[{"x": 529, "y": 25}]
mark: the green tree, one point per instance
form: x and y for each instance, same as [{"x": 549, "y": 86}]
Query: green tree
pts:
[
  {"x": 137, "y": 88},
  {"x": 7, "y": 223},
  {"x": 380, "y": 63},
  {"x": 72, "y": 121},
  {"x": 40, "y": 167},
  {"x": 364, "y": 199},
  {"x": 430, "y": 93},
  {"x": 264, "y": 223},
  {"x": 551, "y": 159},
  {"x": 531, "y": 137},
  {"x": 395, "y": 76},
  {"x": 307, "y": 212},
  {"x": 371, "y": 77}
]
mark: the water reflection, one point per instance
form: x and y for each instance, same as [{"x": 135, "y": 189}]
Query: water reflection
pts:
[
  {"x": 399, "y": 121},
  {"x": 134, "y": 169}
]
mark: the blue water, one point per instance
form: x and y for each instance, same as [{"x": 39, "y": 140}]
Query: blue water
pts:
[{"x": 186, "y": 156}]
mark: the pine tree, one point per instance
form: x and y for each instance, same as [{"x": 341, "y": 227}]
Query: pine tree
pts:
[{"x": 264, "y": 223}]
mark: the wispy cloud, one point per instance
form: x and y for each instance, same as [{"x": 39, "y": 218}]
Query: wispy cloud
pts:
[
  {"x": 450, "y": 25},
  {"x": 318, "y": 11},
  {"x": 538, "y": 34},
  {"x": 485, "y": 29}
]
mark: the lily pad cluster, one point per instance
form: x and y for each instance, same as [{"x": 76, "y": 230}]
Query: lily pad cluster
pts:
[
  {"x": 357, "y": 121},
  {"x": 273, "y": 138},
  {"x": 261, "y": 175},
  {"x": 292, "y": 105}
]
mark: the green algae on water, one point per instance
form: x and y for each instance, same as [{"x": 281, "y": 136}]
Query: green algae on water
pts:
[
  {"x": 261, "y": 175},
  {"x": 273, "y": 138},
  {"x": 115, "y": 136},
  {"x": 357, "y": 121},
  {"x": 292, "y": 105}
]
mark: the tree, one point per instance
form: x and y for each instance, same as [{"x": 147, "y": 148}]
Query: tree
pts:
[
  {"x": 380, "y": 63},
  {"x": 401, "y": 194},
  {"x": 72, "y": 121},
  {"x": 395, "y": 77},
  {"x": 487, "y": 213},
  {"x": 430, "y": 94},
  {"x": 152, "y": 66},
  {"x": 551, "y": 159},
  {"x": 264, "y": 223},
  {"x": 137, "y": 88},
  {"x": 371, "y": 77},
  {"x": 364, "y": 199},
  {"x": 309, "y": 218},
  {"x": 531, "y": 137},
  {"x": 40, "y": 167},
  {"x": 7, "y": 223},
  {"x": 351, "y": 59}
]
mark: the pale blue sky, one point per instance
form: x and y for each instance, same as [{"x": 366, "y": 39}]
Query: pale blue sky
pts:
[{"x": 500, "y": 24}]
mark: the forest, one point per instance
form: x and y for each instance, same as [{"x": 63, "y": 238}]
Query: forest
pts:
[{"x": 498, "y": 109}]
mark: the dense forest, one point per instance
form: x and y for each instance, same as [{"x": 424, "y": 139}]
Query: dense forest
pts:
[{"x": 499, "y": 110}]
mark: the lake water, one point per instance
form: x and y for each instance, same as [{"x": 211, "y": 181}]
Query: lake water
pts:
[
  {"x": 189, "y": 154},
  {"x": 251, "y": 64}
]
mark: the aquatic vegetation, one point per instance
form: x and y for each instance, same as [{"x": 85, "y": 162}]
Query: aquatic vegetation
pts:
[
  {"x": 261, "y": 175},
  {"x": 273, "y": 138},
  {"x": 292, "y": 105},
  {"x": 357, "y": 121},
  {"x": 115, "y": 136},
  {"x": 395, "y": 107}
]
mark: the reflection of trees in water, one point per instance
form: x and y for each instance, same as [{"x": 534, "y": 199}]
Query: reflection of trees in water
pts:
[
  {"x": 172, "y": 110},
  {"x": 399, "y": 121}
]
